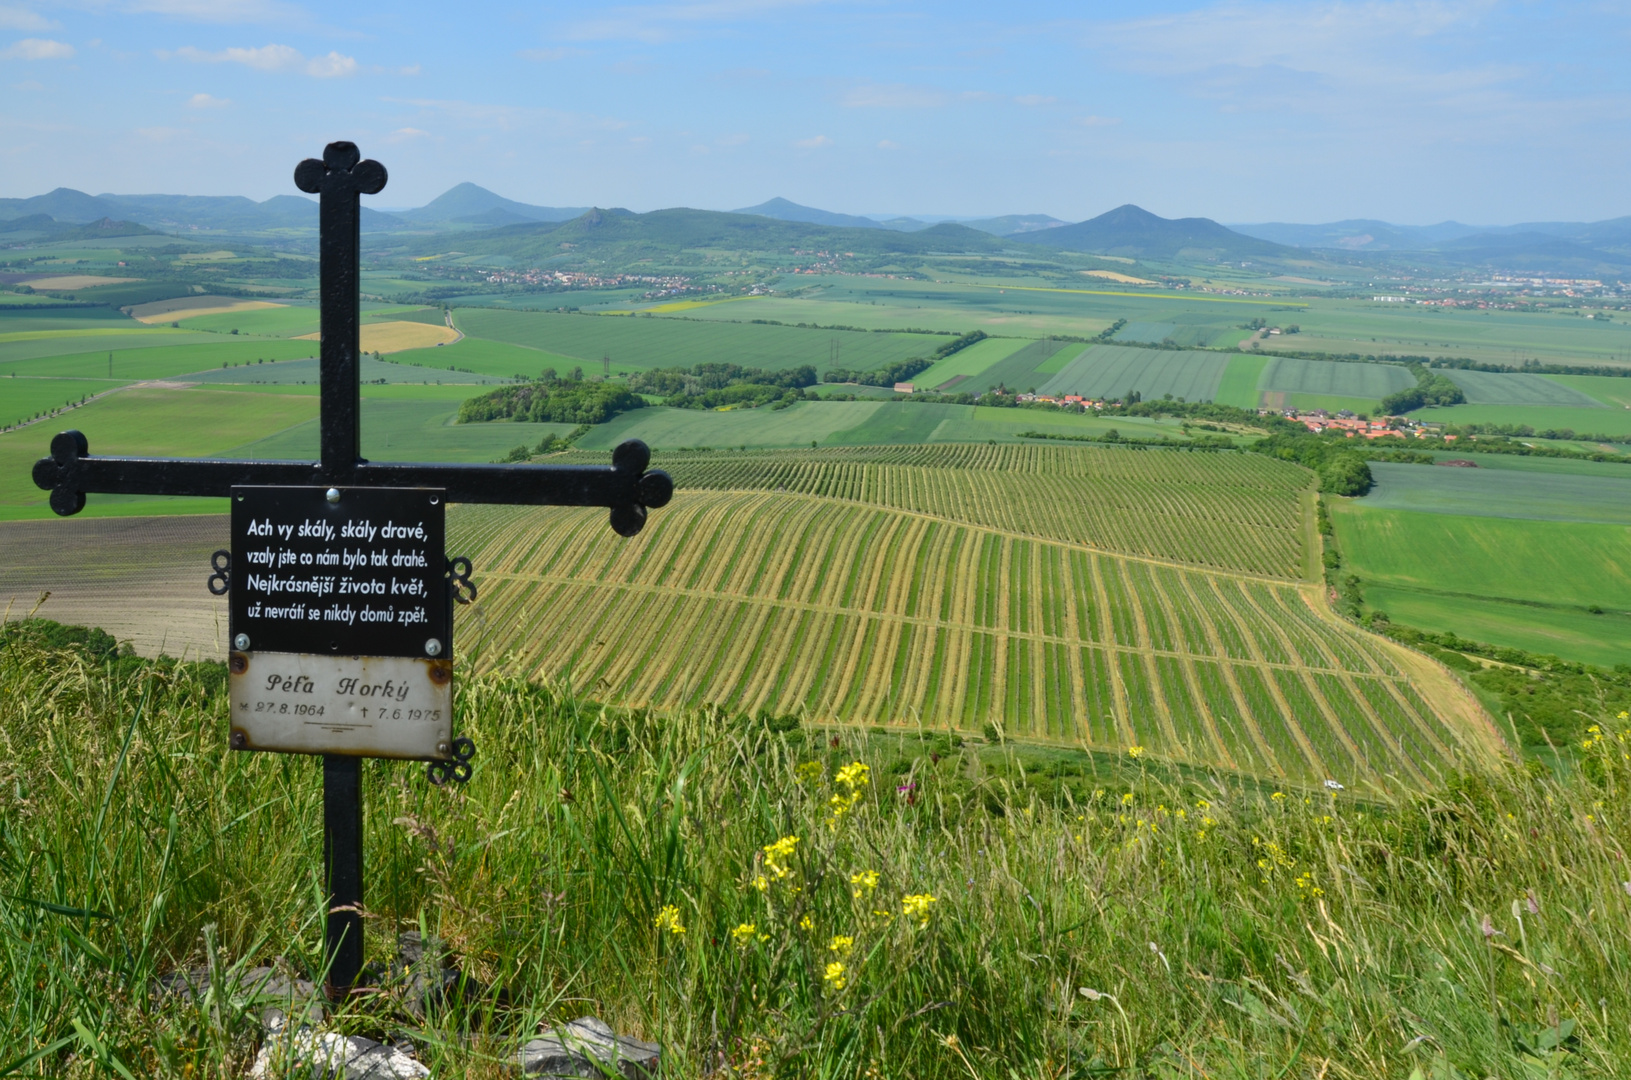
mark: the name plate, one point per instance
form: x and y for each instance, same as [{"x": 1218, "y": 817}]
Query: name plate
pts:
[{"x": 371, "y": 706}]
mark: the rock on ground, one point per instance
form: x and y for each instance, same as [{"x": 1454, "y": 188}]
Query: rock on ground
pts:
[
  {"x": 305, "y": 1054},
  {"x": 586, "y": 1047}
]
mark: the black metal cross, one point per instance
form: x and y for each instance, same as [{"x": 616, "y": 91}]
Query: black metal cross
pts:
[{"x": 626, "y": 487}]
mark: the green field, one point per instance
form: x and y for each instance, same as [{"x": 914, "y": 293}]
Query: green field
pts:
[
  {"x": 22, "y": 398},
  {"x": 27, "y": 345},
  {"x": 147, "y": 422},
  {"x": 1596, "y": 421},
  {"x": 1204, "y": 329},
  {"x": 1602, "y": 495},
  {"x": 1238, "y": 386},
  {"x": 1510, "y": 556},
  {"x": 638, "y": 342},
  {"x": 850, "y": 423},
  {"x": 289, "y": 372},
  {"x": 1370, "y": 382},
  {"x": 967, "y": 362},
  {"x": 1491, "y": 388},
  {"x": 200, "y": 354},
  {"x": 280, "y": 322},
  {"x": 1610, "y": 390},
  {"x": 406, "y": 429},
  {"x": 497, "y": 358},
  {"x": 1564, "y": 631},
  {"x": 1114, "y": 371}
]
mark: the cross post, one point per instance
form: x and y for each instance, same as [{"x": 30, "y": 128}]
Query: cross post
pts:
[{"x": 627, "y": 488}]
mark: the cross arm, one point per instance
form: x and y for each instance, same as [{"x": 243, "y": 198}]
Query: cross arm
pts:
[{"x": 627, "y": 487}]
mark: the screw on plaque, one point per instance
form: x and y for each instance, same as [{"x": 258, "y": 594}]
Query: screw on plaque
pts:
[
  {"x": 458, "y": 580},
  {"x": 459, "y": 769},
  {"x": 222, "y": 561}
]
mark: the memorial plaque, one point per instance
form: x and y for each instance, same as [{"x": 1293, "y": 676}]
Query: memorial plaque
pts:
[
  {"x": 340, "y": 622},
  {"x": 345, "y": 571},
  {"x": 378, "y": 706}
]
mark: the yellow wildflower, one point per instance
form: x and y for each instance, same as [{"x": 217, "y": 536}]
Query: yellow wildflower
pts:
[
  {"x": 863, "y": 882},
  {"x": 809, "y": 772},
  {"x": 669, "y": 919},
  {"x": 777, "y": 854},
  {"x": 1278, "y": 796},
  {"x": 835, "y": 975},
  {"x": 761, "y": 883},
  {"x": 744, "y": 933},
  {"x": 1135, "y": 752},
  {"x": 1127, "y": 799},
  {"x": 841, "y": 944},
  {"x": 853, "y": 775},
  {"x": 806, "y": 923},
  {"x": 917, "y": 907}
]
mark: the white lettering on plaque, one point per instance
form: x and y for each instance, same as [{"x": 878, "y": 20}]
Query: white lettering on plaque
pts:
[{"x": 308, "y": 703}]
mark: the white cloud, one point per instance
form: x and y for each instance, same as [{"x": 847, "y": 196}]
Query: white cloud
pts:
[
  {"x": 406, "y": 134},
  {"x": 411, "y": 70},
  {"x": 887, "y": 144},
  {"x": 16, "y": 18},
  {"x": 207, "y": 101},
  {"x": 1096, "y": 121},
  {"x": 332, "y": 66},
  {"x": 28, "y": 85},
  {"x": 273, "y": 58},
  {"x": 815, "y": 142},
  {"x": 893, "y": 96},
  {"x": 1033, "y": 100},
  {"x": 737, "y": 139},
  {"x": 38, "y": 49}
]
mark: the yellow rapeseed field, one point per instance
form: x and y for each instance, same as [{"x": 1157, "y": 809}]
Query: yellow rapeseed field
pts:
[{"x": 389, "y": 337}]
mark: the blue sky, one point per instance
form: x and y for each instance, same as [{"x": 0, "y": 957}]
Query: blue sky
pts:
[{"x": 1482, "y": 111}]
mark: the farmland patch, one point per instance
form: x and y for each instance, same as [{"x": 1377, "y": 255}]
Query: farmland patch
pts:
[{"x": 1114, "y": 371}]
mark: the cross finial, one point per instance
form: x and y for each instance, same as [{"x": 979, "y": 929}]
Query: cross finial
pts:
[{"x": 342, "y": 168}]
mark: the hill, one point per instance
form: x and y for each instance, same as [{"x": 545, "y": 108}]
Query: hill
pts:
[
  {"x": 616, "y": 235},
  {"x": 472, "y": 204},
  {"x": 783, "y": 210},
  {"x": 1133, "y": 231}
]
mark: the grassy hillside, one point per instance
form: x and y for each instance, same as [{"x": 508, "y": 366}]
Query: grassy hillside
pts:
[{"x": 1292, "y": 932}]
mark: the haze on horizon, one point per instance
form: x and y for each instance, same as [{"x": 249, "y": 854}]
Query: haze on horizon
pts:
[{"x": 1412, "y": 112}]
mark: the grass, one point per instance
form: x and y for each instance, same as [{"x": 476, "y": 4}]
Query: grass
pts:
[
  {"x": 640, "y": 342},
  {"x": 1090, "y": 914},
  {"x": 1114, "y": 371}
]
